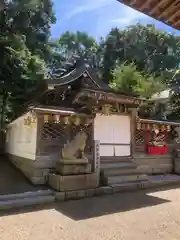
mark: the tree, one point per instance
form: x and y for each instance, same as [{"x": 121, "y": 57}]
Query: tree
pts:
[
  {"x": 175, "y": 97},
  {"x": 19, "y": 73},
  {"x": 31, "y": 18},
  {"x": 24, "y": 33},
  {"x": 152, "y": 50},
  {"x": 76, "y": 44},
  {"x": 126, "y": 78}
]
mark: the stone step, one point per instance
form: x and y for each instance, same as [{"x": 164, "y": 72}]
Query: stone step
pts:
[
  {"x": 148, "y": 157},
  {"x": 119, "y": 170},
  {"x": 28, "y": 201},
  {"x": 118, "y": 187},
  {"x": 126, "y": 178},
  {"x": 116, "y": 164},
  {"x": 115, "y": 158}
]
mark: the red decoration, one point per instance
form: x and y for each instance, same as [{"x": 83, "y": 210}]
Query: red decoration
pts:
[
  {"x": 159, "y": 138},
  {"x": 157, "y": 150}
]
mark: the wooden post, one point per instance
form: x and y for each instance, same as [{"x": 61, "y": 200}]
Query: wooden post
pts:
[
  {"x": 40, "y": 123},
  {"x": 133, "y": 130},
  {"x": 96, "y": 157}
]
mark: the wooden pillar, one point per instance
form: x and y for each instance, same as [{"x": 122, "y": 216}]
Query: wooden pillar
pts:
[
  {"x": 40, "y": 124},
  {"x": 133, "y": 130}
]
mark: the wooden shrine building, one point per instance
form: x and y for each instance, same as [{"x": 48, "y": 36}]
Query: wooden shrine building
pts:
[{"x": 128, "y": 148}]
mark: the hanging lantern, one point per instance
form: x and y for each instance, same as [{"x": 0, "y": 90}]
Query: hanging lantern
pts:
[
  {"x": 168, "y": 128},
  {"x": 156, "y": 130},
  {"x": 163, "y": 128},
  {"x": 25, "y": 122},
  {"x": 138, "y": 126},
  {"x": 66, "y": 120},
  {"x": 143, "y": 126},
  {"x": 33, "y": 120},
  {"x": 46, "y": 118},
  {"x": 56, "y": 118},
  {"x": 28, "y": 120},
  {"x": 154, "y": 127},
  {"x": 148, "y": 126},
  {"x": 77, "y": 120}
]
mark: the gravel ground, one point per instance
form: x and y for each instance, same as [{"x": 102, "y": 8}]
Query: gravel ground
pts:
[{"x": 137, "y": 215}]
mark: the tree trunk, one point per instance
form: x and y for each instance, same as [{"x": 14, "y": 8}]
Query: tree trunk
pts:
[{"x": 3, "y": 108}]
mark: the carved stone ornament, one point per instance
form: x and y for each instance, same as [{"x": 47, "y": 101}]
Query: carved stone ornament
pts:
[{"x": 75, "y": 149}]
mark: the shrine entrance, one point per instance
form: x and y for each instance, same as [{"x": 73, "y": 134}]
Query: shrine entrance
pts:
[{"x": 113, "y": 132}]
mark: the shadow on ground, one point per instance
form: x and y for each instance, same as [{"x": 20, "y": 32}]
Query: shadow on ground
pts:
[
  {"x": 12, "y": 180},
  {"x": 99, "y": 206}
]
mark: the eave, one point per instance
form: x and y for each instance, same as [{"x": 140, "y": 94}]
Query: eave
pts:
[
  {"x": 107, "y": 97},
  {"x": 166, "y": 11}
]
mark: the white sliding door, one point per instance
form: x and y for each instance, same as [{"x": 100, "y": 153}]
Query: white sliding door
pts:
[{"x": 114, "y": 135}]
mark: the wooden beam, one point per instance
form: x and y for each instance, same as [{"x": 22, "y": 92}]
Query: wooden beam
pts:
[
  {"x": 157, "y": 6},
  {"x": 176, "y": 24},
  {"x": 168, "y": 9},
  {"x": 172, "y": 17},
  {"x": 133, "y": 2},
  {"x": 145, "y": 5}
]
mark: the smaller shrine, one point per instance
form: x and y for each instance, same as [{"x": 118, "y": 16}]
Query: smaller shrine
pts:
[{"x": 156, "y": 137}]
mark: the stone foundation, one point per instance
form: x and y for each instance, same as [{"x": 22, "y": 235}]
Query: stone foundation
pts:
[
  {"x": 177, "y": 165},
  {"x": 73, "y": 169},
  {"x": 154, "y": 164},
  {"x": 29, "y": 167},
  {"x": 73, "y": 182}
]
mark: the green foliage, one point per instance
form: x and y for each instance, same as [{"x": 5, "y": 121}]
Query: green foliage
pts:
[
  {"x": 78, "y": 43},
  {"x": 25, "y": 52},
  {"x": 175, "y": 97},
  {"x": 126, "y": 78},
  {"x": 153, "y": 51}
]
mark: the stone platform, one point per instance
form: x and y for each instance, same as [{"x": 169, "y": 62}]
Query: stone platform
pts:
[
  {"x": 73, "y": 182},
  {"x": 73, "y": 169}
]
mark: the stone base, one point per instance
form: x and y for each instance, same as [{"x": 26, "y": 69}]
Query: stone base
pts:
[
  {"x": 74, "y": 161},
  {"x": 73, "y": 182},
  {"x": 73, "y": 169},
  {"x": 177, "y": 165}
]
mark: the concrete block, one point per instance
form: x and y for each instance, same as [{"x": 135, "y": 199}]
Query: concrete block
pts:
[
  {"x": 90, "y": 192},
  {"x": 73, "y": 182},
  {"x": 177, "y": 166},
  {"x": 73, "y": 169},
  {"x": 74, "y": 161},
  {"x": 103, "y": 190},
  {"x": 54, "y": 182},
  {"x": 38, "y": 180},
  {"x": 60, "y": 196},
  {"x": 143, "y": 185},
  {"x": 72, "y": 195},
  {"x": 124, "y": 187}
]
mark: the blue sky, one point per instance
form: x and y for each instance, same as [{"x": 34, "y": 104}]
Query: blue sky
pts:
[{"x": 97, "y": 17}]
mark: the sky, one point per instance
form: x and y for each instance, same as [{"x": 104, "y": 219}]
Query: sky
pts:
[{"x": 97, "y": 17}]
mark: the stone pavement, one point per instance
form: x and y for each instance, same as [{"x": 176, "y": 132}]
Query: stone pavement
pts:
[{"x": 152, "y": 214}]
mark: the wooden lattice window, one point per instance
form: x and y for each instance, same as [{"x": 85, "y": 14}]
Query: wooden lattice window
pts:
[
  {"x": 65, "y": 133},
  {"x": 54, "y": 131},
  {"x": 140, "y": 137}
]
